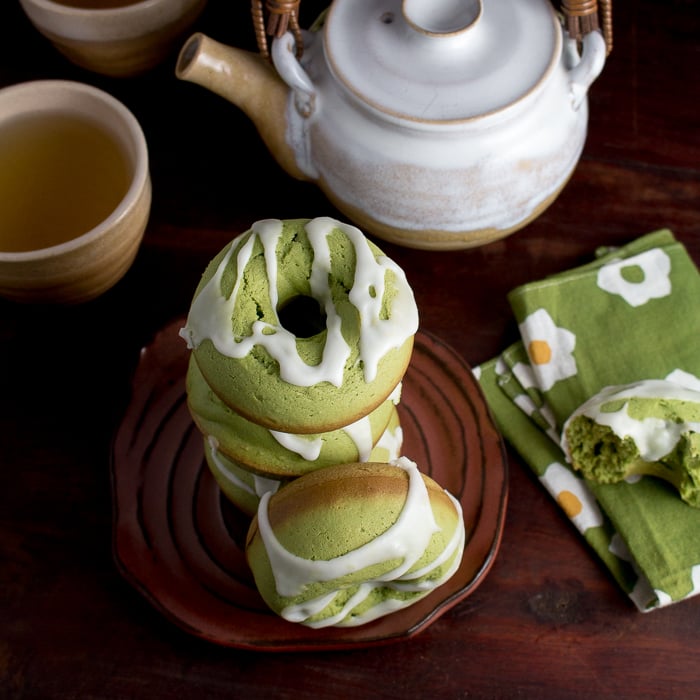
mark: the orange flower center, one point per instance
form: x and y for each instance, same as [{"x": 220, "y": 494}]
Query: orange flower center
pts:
[
  {"x": 569, "y": 503},
  {"x": 540, "y": 352}
]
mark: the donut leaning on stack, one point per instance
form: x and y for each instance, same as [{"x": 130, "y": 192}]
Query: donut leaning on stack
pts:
[
  {"x": 301, "y": 332},
  {"x": 348, "y": 544}
]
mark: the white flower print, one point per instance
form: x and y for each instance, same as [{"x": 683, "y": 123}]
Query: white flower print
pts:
[
  {"x": 549, "y": 347},
  {"x": 573, "y": 496},
  {"x": 638, "y": 279}
]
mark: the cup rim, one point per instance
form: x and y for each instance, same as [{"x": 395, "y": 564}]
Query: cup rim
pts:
[
  {"x": 59, "y": 8},
  {"x": 64, "y": 22},
  {"x": 138, "y": 182}
]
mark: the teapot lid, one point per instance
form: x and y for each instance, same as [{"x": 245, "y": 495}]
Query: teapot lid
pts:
[{"x": 441, "y": 60}]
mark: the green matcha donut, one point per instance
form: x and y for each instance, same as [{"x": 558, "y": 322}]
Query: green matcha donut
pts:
[
  {"x": 347, "y": 544},
  {"x": 290, "y": 382},
  {"x": 646, "y": 428},
  {"x": 280, "y": 455},
  {"x": 244, "y": 487},
  {"x": 240, "y": 486}
]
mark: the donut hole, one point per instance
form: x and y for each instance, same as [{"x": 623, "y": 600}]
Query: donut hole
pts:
[{"x": 302, "y": 316}]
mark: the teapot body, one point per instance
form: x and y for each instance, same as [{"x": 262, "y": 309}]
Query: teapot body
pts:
[
  {"x": 429, "y": 123},
  {"x": 440, "y": 185}
]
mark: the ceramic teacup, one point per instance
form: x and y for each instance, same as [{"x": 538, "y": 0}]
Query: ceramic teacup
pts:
[
  {"x": 114, "y": 37},
  {"x": 75, "y": 191}
]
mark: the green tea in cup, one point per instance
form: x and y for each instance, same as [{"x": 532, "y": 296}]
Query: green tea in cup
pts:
[{"x": 61, "y": 175}]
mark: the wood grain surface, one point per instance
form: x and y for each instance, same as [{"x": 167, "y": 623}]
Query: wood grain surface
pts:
[{"x": 547, "y": 622}]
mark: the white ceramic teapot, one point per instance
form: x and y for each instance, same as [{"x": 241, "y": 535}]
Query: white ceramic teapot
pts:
[{"x": 434, "y": 124}]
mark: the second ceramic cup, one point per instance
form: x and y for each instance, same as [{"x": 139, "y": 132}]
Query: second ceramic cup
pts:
[{"x": 119, "y": 38}]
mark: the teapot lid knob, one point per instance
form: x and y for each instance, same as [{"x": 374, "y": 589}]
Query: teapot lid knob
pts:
[{"x": 440, "y": 17}]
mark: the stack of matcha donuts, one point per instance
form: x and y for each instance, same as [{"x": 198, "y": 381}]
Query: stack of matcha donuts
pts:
[{"x": 300, "y": 334}]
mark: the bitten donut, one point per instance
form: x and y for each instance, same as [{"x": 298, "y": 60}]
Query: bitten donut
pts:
[
  {"x": 312, "y": 380},
  {"x": 347, "y": 544},
  {"x": 275, "y": 454},
  {"x": 650, "y": 427}
]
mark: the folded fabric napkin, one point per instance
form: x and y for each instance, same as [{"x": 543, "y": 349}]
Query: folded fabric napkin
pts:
[{"x": 631, "y": 314}]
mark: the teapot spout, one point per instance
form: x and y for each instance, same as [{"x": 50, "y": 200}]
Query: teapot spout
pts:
[{"x": 248, "y": 81}]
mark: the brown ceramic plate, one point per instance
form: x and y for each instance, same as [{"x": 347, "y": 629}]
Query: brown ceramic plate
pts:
[{"x": 179, "y": 542}]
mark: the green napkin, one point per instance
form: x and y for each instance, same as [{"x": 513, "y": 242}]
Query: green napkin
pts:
[{"x": 633, "y": 313}]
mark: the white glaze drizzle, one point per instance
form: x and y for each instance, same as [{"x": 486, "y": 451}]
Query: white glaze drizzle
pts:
[
  {"x": 406, "y": 583},
  {"x": 360, "y": 432},
  {"x": 386, "y": 606},
  {"x": 391, "y": 442},
  {"x": 261, "y": 484},
  {"x": 407, "y": 540},
  {"x": 421, "y": 588},
  {"x": 377, "y": 336},
  {"x": 307, "y": 448},
  {"x": 395, "y": 396},
  {"x": 654, "y": 437},
  {"x": 409, "y": 582},
  {"x": 210, "y": 313}
]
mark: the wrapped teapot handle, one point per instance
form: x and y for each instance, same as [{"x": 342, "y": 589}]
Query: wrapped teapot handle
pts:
[
  {"x": 585, "y": 16},
  {"x": 581, "y": 17},
  {"x": 282, "y": 16}
]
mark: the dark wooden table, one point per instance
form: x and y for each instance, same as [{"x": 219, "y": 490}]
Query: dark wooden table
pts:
[{"x": 548, "y": 621}]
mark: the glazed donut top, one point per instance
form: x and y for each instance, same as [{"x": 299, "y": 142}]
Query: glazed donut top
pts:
[{"x": 211, "y": 312}]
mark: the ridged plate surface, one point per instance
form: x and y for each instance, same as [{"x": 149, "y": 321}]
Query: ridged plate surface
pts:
[{"x": 180, "y": 543}]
